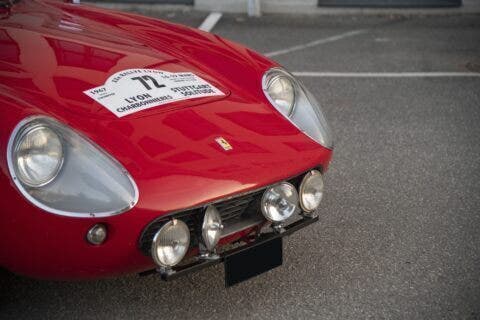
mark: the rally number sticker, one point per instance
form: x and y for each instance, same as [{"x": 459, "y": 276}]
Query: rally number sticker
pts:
[{"x": 134, "y": 90}]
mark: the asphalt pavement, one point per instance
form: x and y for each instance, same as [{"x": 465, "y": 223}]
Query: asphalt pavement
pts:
[{"x": 399, "y": 229}]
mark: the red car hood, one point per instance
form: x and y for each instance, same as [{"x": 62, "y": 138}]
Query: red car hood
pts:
[{"x": 52, "y": 52}]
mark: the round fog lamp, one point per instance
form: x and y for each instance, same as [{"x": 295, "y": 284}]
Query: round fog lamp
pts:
[
  {"x": 38, "y": 156},
  {"x": 211, "y": 227},
  {"x": 171, "y": 243},
  {"x": 311, "y": 191},
  {"x": 97, "y": 234},
  {"x": 279, "y": 202}
]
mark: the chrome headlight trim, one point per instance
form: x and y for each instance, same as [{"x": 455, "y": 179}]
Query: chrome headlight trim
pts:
[{"x": 22, "y": 188}]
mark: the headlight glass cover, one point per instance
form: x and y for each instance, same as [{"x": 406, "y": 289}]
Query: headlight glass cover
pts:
[
  {"x": 280, "y": 87},
  {"x": 171, "y": 243},
  {"x": 64, "y": 173},
  {"x": 279, "y": 202},
  {"x": 281, "y": 90},
  {"x": 211, "y": 227},
  {"x": 311, "y": 191},
  {"x": 38, "y": 156}
]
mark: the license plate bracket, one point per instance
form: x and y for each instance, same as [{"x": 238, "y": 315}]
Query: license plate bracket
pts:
[{"x": 255, "y": 260}]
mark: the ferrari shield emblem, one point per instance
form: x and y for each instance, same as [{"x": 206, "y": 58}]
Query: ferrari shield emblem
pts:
[{"x": 223, "y": 143}]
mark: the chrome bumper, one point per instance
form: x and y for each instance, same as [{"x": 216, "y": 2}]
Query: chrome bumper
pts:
[{"x": 200, "y": 263}]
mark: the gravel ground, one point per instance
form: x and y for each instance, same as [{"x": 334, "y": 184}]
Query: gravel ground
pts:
[{"x": 398, "y": 233}]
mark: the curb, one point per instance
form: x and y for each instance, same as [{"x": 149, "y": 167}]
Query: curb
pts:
[
  {"x": 310, "y": 7},
  {"x": 122, "y": 6},
  {"x": 470, "y": 7}
]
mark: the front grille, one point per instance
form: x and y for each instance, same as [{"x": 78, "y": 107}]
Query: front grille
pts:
[
  {"x": 240, "y": 207},
  {"x": 234, "y": 208},
  {"x": 233, "y": 211}
]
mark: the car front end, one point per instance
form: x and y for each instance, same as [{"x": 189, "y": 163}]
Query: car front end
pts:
[{"x": 221, "y": 175}]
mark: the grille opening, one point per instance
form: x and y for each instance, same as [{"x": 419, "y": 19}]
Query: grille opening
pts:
[{"x": 235, "y": 212}]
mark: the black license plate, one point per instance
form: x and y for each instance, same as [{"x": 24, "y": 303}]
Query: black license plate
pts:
[{"x": 248, "y": 263}]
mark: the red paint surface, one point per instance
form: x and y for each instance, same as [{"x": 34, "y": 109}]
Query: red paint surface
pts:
[{"x": 52, "y": 51}]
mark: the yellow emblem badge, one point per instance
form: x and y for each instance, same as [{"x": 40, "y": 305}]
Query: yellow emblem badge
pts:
[{"x": 223, "y": 143}]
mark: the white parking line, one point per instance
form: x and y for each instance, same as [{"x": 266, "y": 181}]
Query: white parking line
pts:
[
  {"x": 315, "y": 43},
  {"x": 210, "y": 21},
  {"x": 385, "y": 74}
]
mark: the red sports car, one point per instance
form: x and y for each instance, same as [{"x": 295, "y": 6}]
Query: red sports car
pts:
[{"x": 133, "y": 145}]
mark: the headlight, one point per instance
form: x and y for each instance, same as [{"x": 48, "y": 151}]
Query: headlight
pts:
[
  {"x": 280, "y": 202},
  {"x": 211, "y": 227},
  {"x": 311, "y": 191},
  {"x": 171, "y": 243},
  {"x": 62, "y": 172},
  {"x": 297, "y": 104},
  {"x": 282, "y": 92},
  {"x": 38, "y": 156}
]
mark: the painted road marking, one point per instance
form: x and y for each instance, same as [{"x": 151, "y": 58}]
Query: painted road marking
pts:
[
  {"x": 385, "y": 74},
  {"x": 210, "y": 21},
  {"x": 315, "y": 43}
]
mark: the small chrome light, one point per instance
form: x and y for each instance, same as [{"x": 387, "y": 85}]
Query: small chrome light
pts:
[
  {"x": 280, "y": 202},
  {"x": 211, "y": 228},
  {"x": 311, "y": 191},
  {"x": 170, "y": 243},
  {"x": 97, "y": 234}
]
